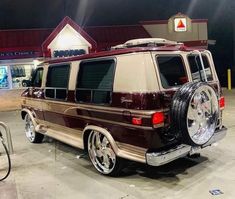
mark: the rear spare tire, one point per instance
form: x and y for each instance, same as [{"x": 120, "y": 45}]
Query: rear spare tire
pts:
[{"x": 195, "y": 112}]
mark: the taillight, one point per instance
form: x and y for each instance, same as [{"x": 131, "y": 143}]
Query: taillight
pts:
[
  {"x": 158, "y": 118},
  {"x": 136, "y": 121},
  {"x": 222, "y": 102}
]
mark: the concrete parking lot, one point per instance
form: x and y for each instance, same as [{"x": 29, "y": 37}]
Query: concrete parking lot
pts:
[
  {"x": 52, "y": 170},
  {"x": 10, "y": 99}
]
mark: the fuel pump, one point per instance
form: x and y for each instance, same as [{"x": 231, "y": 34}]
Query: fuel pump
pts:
[{"x": 8, "y": 158}]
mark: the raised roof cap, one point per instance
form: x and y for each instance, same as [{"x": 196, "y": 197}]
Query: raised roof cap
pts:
[{"x": 146, "y": 42}]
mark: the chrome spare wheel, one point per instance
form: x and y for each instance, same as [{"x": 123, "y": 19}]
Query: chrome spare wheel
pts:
[
  {"x": 194, "y": 113},
  {"x": 29, "y": 128},
  {"x": 202, "y": 114},
  {"x": 101, "y": 153}
]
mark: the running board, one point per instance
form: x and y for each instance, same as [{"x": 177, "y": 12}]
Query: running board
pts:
[{"x": 70, "y": 137}]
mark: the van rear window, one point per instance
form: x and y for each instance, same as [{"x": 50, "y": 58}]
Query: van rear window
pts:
[
  {"x": 196, "y": 68},
  {"x": 95, "y": 82},
  {"x": 172, "y": 71}
]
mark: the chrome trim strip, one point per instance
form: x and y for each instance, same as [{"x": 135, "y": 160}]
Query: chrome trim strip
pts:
[{"x": 104, "y": 111}]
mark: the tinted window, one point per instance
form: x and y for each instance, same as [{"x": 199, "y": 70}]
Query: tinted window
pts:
[
  {"x": 172, "y": 71},
  {"x": 57, "y": 81},
  {"x": 196, "y": 68},
  {"x": 37, "y": 78},
  {"x": 95, "y": 82}
]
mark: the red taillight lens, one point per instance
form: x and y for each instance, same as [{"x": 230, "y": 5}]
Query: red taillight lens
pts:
[
  {"x": 158, "y": 118},
  {"x": 222, "y": 102},
  {"x": 137, "y": 121}
]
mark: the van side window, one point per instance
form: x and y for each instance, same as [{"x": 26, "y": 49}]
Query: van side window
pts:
[
  {"x": 172, "y": 70},
  {"x": 196, "y": 68},
  {"x": 57, "y": 81},
  {"x": 95, "y": 82},
  {"x": 37, "y": 78}
]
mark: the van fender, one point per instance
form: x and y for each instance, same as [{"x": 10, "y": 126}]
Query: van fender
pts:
[
  {"x": 32, "y": 115},
  {"x": 105, "y": 132},
  {"x": 123, "y": 153}
]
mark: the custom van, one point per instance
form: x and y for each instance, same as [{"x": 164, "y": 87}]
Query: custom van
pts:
[{"x": 148, "y": 100}]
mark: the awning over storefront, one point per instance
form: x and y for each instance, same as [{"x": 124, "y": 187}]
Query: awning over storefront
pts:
[{"x": 21, "y": 44}]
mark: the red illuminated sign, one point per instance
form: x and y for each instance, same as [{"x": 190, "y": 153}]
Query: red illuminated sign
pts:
[{"x": 180, "y": 24}]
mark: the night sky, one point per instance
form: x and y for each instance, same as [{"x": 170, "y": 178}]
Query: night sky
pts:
[
  {"x": 20, "y": 14},
  {"x": 48, "y": 13}
]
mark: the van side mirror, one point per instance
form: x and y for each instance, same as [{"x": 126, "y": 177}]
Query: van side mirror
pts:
[{"x": 27, "y": 83}]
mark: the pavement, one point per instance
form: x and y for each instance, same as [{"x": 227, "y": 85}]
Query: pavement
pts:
[
  {"x": 10, "y": 99},
  {"x": 53, "y": 170}
]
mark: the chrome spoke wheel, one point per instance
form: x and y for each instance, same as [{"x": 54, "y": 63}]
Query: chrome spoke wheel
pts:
[
  {"x": 202, "y": 115},
  {"x": 29, "y": 129},
  {"x": 101, "y": 153}
]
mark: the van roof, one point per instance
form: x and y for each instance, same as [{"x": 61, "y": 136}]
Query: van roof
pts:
[{"x": 179, "y": 47}]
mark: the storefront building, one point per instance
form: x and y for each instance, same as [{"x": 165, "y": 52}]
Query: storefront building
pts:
[{"x": 22, "y": 50}]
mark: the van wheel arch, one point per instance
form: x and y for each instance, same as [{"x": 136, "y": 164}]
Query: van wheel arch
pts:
[
  {"x": 23, "y": 114},
  {"x": 88, "y": 129},
  {"x": 104, "y": 154},
  {"x": 85, "y": 139},
  {"x": 32, "y": 135}
]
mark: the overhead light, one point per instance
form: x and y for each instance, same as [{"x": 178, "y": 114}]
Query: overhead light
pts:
[{"x": 36, "y": 62}]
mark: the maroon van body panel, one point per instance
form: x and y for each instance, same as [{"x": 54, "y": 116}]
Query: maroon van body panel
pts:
[
  {"x": 142, "y": 137},
  {"x": 35, "y": 93},
  {"x": 146, "y": 137}
]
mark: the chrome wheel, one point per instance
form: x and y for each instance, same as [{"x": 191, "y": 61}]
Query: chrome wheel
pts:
[
  {"x": 101, "y": 153},
  {"x": 202, "y": 115},
  {"x": 29, "y": 129}
]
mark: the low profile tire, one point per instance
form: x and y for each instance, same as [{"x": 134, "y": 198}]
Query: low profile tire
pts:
[
  {"x": 103, "y": 156},
  {"x": 195, "y": 112},
  {"x": 31, "y": 134}
]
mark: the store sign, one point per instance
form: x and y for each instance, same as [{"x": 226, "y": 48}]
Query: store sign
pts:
[
  {"x": 180, "y": 24},
  {"x": 69, "y": 53},
  {"x": 17, "y": 54}
]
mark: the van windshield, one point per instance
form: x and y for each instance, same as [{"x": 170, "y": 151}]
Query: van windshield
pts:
[{"x": 196, "y": 68}]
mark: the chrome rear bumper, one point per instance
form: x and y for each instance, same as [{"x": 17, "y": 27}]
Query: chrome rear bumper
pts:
[{"x": 164, "y": 157}]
